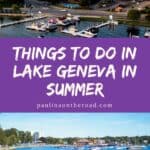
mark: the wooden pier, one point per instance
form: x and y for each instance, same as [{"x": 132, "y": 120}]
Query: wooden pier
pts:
[{"x": 22, "y": 21}]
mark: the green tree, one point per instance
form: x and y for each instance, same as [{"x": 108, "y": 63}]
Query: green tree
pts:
[
  {"x": 12, "y": 140},
  {"x": 28, "y": 137},
  {"x": 1, "y": 8},
  {"x": 3, "y": 139},
  {"x": 11, "y": 131},
  {"x": 84, "y": 2},
  {"x": 21, "y": 136},
  {"x": 16, "y": 8},
  {"x": 134, "y": 14}
]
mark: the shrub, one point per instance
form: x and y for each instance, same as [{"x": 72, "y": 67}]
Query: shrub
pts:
[{"x": 134, "y": 14}]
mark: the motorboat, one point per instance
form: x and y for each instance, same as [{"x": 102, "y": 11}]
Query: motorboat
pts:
[
  {"x": 136, "y": 147},
  {"x": 147, "y": 34},
  {"x": 73, "y": 18},
  {"x": 135, "y": 36},
  {"x": 76, "y": 18},
  {"x": 65, "y": 22},
  {"x": 41, "y": 36},
  {"x": 51, "y": 26},
  {"x": 71, "y": 30},
  {"x": 96, "y": 148},
  {"x": 122, "y": 148},
  {"x": 36, "y": 26},
  {"x": 86, "y": 34}
]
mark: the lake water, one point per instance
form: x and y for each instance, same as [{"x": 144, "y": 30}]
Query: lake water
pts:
[
  {"x": 19, "y": 30},
  {"x": 73, "y": 148}
]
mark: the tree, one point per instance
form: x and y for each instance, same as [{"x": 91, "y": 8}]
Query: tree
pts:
[
  {"x": 12, "y": 140},
  {"x": 21, "y": 136},
  {"x": 134, "y": 14},
  {"x": 11, "y": 131},
  {"x": 28, "y": 137},
  {"x": 43, "y": 139},
  {"x": 1, "y": 8},
  {"x": 2, "y": 137},
  {"x": 16, "y": 8},
  {"x": 83, "y": 2},
  {"x": 8, "y": 3}
]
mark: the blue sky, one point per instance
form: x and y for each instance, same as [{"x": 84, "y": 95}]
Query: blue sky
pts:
[{"x": 79, "y": 124}]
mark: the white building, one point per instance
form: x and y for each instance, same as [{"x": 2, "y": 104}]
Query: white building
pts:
[{"x": 35, "y": 137}]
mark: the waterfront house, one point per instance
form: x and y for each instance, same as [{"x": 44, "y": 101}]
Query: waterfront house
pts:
[{"x": 82, "y": 142}]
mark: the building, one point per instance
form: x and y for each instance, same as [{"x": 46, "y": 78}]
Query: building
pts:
[
  {"x": 35, "y": 137},
  {"x": 119, "y": 9},
  {"x": 101, "y": 142},
  {"x": 83, "y": 142}
]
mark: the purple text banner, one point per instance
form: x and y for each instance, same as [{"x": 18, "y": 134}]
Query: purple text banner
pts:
[{"x": 74, "y": 75}]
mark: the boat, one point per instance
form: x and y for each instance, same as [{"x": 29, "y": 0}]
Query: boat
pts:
[
  {"x": 72, "y": 17},
  {"x": 36, "y": 26},
  {"x": 71, "y": 30},
  {"x": 147, "y": 34},
  {"x": 96, "y": 148},
  {"x": 51, "y": 26},
  {"x": 63, "y": 22},
  {"x": 136, "y": 147},
  {"x": 76, "y": 18},
  {"x": 86, "y": 34},
  {"x": 41, "y": 36},
  {"x": 93, "y": 29},
  {"x": 135, "y": 36},
  {"x": 122, "y": 148},
  {"x": 67, "y": 20}
]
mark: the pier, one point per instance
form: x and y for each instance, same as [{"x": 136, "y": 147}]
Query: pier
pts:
[
  {"x": 110, "y": 22},
  {"x": 22, "y": 21}
]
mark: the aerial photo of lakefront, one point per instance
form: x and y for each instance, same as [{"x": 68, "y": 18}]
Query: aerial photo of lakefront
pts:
[
  {"x": 75, "y": 131},
  {"x": 75, "y": 18}
]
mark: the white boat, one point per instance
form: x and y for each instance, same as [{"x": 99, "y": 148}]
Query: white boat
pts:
[
  {"x": 51, "y": 26},
  {"x": 96, "y": 148},
  {"x": 136, "y": 147},
  {"x": 37, "y": 27},
  {"x": 71, "y": 30},
  {"x": 135, "y": 36},
  {"x": 147, "y": 34},
  {"x": 64, "y": 22},
  {"x": 41, "y": 36},
  {"x": 67, "y": 20},
  {"x": 76, "y": 18},
  {"x": 121, "y": 147},
  {"x": 86, "y": 34}
]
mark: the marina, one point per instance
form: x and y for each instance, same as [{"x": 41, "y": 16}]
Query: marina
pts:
[
  {"x": 47, "y": 147},
  {"x": 21, "y": 21},
  {"x": 43, "y": 26}
]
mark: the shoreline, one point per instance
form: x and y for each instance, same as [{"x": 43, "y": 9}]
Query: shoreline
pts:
[
  {"x": 14, "y": 15},
  {"x": 121, "y": 21}
]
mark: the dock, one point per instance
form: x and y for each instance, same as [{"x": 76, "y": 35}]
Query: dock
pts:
[
  {"x": 22, "y": 21},
  {"x": 110, "y": 22}
]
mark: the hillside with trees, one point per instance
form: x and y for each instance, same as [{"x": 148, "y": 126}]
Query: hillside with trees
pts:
[
  {"x": 13, "y": 136},
  {"x": 8, "y": 3}
]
